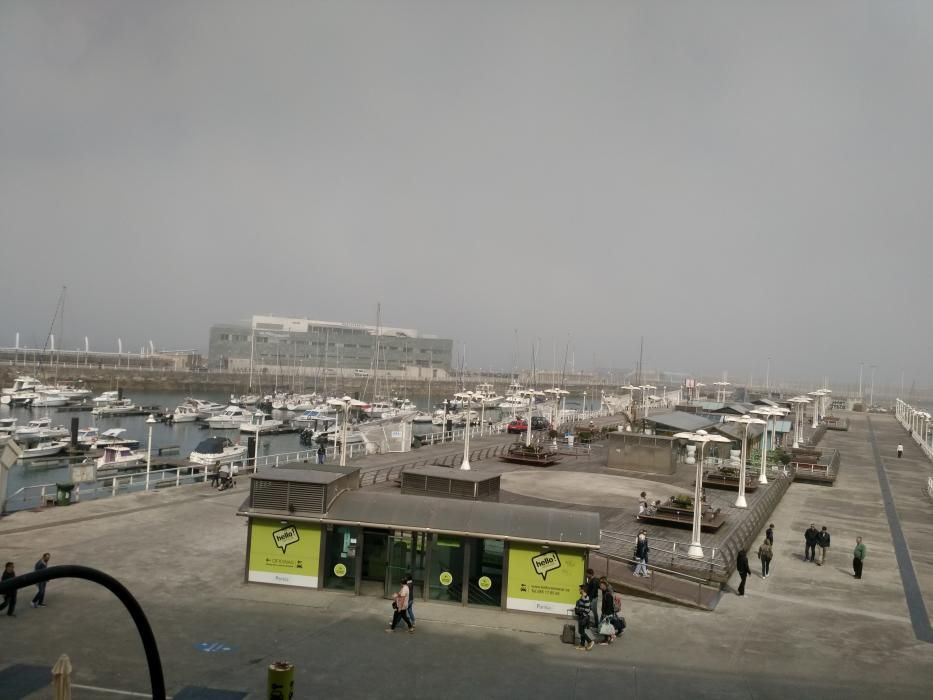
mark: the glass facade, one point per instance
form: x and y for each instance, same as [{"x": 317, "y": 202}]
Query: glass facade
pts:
[
  {"x": 342, "y": 545},
  {"x": 486, "y": 568},
  {"x": 445, "y": 578}
]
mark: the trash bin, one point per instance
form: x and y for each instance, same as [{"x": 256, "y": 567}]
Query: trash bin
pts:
[{"x": 63, "y": 494}]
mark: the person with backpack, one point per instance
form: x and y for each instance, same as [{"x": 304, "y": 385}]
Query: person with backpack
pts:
[
  {"x": 823, "y": 541},
  {"x": 583, "y": 611},
  {"x": 769, "y": 534},
  {"x": 641, "y": 554},
  {"x": 765, "y": 554}
]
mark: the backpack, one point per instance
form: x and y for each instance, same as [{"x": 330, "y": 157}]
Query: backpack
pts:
[
  {"x": 617, "y": 602},
  {"x": 569, "y": 634}
]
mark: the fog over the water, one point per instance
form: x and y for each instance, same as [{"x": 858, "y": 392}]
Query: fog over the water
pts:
[{"x": 731, "y": 180}]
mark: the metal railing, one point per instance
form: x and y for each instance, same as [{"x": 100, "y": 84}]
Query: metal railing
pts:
[
  {"x": 673, "y": 554},
  {"x": 930, "y": 487}
]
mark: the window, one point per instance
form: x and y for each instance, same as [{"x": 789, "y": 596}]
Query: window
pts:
[{"x": 225, "y": 336}]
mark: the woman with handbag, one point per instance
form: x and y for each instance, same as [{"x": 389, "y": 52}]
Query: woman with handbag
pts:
[
  {"x": 400, "y": 608},
  {"x": 606, "y": 611}
]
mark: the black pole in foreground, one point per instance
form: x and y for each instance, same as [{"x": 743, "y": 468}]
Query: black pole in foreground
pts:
[{"x": 156, "y": 679}]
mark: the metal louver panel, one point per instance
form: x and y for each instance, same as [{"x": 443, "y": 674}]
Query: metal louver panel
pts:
[
  {"x": 306, "y": 498},
  {"x": 269, "y": 495}
]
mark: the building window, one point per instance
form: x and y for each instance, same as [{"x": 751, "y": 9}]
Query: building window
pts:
[{"x": 225, "y": 336}]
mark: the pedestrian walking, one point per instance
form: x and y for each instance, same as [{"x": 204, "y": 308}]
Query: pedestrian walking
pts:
[
  {"x": 9, "y": 599},
  {"x": 741, "y": 565},
  {"x": 810, "y": 537},
  {"x": 641, "y": 554},
  {"x": 321, "y": 454},
  {"x": 400, "y": 608},
  {"x": 410, "y": 582},
  {"x": 900, "y": 451},
  {"x": 592, "y": 590},
  {"x": 583, "y": 611},
  {"x": 764, "y": 554},
  {"x": 858, "y": 557},
  {"x": 642, "y": 503},
  {"x": 823, "y": 541},
  {"x": 769, "y": 534},
  {"x": 38, "y": 600}
]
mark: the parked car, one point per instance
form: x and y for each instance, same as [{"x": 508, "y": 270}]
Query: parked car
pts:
[
  {"x": 517, "y": 426},
  {"x": 540, "y": 423}
]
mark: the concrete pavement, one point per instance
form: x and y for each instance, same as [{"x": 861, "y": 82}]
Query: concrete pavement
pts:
[{"x": 806, "y": 631}]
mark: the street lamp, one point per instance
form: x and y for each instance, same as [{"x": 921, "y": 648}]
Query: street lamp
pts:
[
  {"x": 344, "y": 403},
  {"x": 768, "y": 413},
  {"x": 467, "y": 396},
  {"x": 645, "y": 397},
  {"x": 150, "y": 421},
  {"x": 721, "y": 390},
  {"x": 817, "y": 405},
  {"x": 746, "y": 421},
  {"x": 701, "y": 437},
  {"x": 799, "y": 402}
]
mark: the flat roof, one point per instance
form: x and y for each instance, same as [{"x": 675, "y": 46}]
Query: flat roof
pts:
[
  {"x": 453, "y": 473},
  {"x": 313, "y": 467},
  {"x": 573, "y": 528},
  {"x": 305, "y": 476},
  {"x": 681, "y": 420}
]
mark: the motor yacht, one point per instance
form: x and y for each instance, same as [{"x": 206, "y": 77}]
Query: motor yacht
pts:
[
  {"x": 44, "y": 448},
  {"x": 215, "y": 450},
  {"x": 92, "y": 437},
  {"x": 49, "y": 397},
  {"x": 118, "y": 457},
  {"x": 185, "y": 413},
  {"x": 117, "y": 408},
  {"x": 260, "y": 423},
  {"x": 7, "y": 426},
  {"x": 107, "y": 398},
  {"x": 231, "y": 417}
]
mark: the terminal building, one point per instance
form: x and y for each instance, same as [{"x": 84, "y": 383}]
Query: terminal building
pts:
[{"x": 304, "y": 346}]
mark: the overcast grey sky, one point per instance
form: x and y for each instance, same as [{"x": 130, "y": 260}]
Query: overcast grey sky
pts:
[{"x": 732, "y": 180}]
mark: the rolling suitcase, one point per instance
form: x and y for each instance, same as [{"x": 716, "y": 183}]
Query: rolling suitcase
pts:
[{"x": 569, "y": 634}]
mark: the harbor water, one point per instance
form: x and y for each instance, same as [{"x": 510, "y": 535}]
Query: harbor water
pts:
[{"x": 182, "y": 436}]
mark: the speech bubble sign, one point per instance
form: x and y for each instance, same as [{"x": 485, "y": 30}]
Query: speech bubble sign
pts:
[
  {"x": 285, "y": 536},
  {"x": 545, "y": 562}
]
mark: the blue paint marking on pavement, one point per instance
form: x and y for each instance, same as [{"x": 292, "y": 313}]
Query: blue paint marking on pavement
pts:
[
  {"x": 212, "y": 647},
  {"x": 21, "y": 680},
  {"x": 912, "y": 593}
]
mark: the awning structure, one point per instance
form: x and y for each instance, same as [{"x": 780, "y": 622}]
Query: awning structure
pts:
[{"x": 572, "y": 528}]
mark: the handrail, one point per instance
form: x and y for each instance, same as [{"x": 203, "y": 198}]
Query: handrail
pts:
[
  {"x": 631, "y": 539},
  {"x": 930, "y": 487}
]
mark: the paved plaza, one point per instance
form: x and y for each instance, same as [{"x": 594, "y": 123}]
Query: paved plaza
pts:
[{"x": 805, "y": 632}]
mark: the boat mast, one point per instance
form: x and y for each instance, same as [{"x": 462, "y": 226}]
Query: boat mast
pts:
[{"x": 252, "y": 352}]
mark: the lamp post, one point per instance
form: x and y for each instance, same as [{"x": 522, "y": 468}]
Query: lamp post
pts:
[
  {"x": 343, "y": 404},
  {"x": 817, "y": 405},
  {"x": 465, "y": 464},
  {"x": 444, "y": 426},
  {"x": 746, "y": 421},
  {"x": 701, "y": 437},
  {"x": 150, "y": 421},
  {"x": 768, "y": 414},
  {"x": 798, "y": 402},
  {"x": 645, "y": 396},
  {"x": 721, "y": 390}
]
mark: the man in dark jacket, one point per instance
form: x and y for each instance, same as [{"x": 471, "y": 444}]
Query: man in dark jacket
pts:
[
  {"x": 39, "y": 600},
  {"x": 811, "y": 536},
  {"x": 823, "y": 541},
  {"x": 741, "y": 565},
  {"x": 592, "y": 590},
  {"x": 9, "y": 599},
  {"x": 769, "y": 534}
]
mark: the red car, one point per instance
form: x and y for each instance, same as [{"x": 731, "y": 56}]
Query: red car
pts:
[{"x": 517, "y": 426}]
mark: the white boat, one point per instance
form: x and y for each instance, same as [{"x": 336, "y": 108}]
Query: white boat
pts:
[
  {"x": 185, "y": 413},
  {"x": 7, "y": 426},
  {"x": 423, "y": 417},
  {"x": 74, "y": 393},
  {"x": 107, "y": 398},
  {"x": 215, "y": 450},
  {"x": 120, "y": 457},
  {"x": 231, "y": 417},
  {"x": 244, "y": 400},
  {"x": 485, "y": 395},
  {"x": 33, "y": 428},
  {"x": 49, "y": 397},
  {"x": 92, "y": 437},
  {"x": 206, "y": 409},
  {"x": 514, "y": 402},
  {"x": 22, "y": 383},
  {"x": 260, "y": 423},
  {"x": 46, "y": 448},
  {"x": 460, "y": 418},
  {"x": 314, "y": 414},
  {"x": 117, "y": 408}
]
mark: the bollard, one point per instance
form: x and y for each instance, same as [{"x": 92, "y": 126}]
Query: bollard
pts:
[{"x": 280, "y": 683}]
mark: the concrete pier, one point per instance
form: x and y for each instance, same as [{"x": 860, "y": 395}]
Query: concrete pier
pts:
[{"x": 804, "y": 632}]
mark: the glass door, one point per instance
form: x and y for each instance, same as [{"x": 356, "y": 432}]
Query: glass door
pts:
[
  {"x": 485, "y": 579},
  {"x": 407, "y": 552}
]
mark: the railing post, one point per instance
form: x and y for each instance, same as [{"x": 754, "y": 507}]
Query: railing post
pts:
[
  {"x": 177, "y": 476},
  {"x": 113, "y": 487}
]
